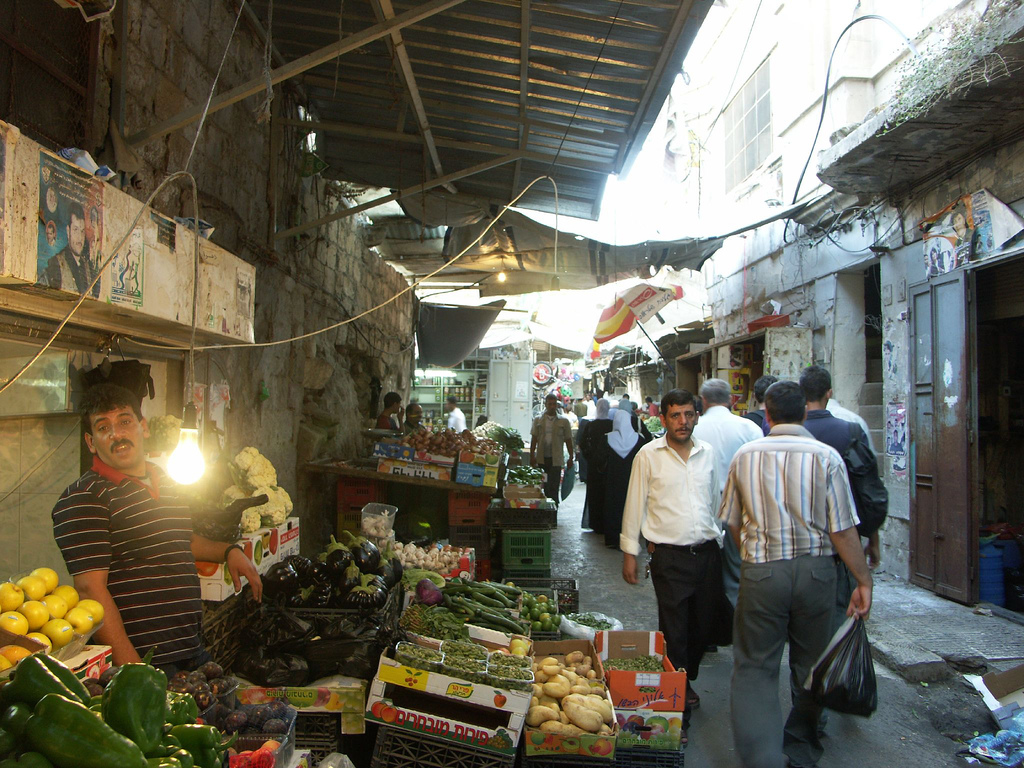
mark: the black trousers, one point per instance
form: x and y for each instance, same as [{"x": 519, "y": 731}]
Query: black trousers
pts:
[
  {"x": 688, "y": 586},
  {"x": 553, "y": 482}
]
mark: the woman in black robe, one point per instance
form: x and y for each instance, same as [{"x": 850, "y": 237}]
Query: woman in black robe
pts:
[
  {"x": 594, "y": 447},
  {"x": 623, "y": 445}
]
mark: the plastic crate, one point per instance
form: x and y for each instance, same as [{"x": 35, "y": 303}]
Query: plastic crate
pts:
[
  {"x": 318, "y": 727},
  {"x": 220, "y": 628},
  {"x": 318, "y": 751},
  {"x": 516, "y": 574},
  {"x": 483, "y": 570},
  {"x": 522, "y": 519},
  {"x": 467, "y": 508},
  {"x": 350, "y": 519},
  {"x": 356, "y": 492},
  {"x": 476, "y": 536},
  {"x": 526, "y": 549},
  {"x": 566, "y": 591},
  {"x": 538, "y": 636},
  {"x": 567, "y": 761},
  {"x": 641, "y": 757},
  {"x": 404, "y": 749},
  {"x": 253, "y": 741}
]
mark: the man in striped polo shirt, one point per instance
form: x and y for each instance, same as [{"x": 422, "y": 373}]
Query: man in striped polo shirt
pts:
[
  {"x": 126, "y": 534},
  {"x": 788, "y": 505}
]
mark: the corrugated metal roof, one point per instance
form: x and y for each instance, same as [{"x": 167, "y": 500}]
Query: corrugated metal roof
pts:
[{"x": 563, "y": 87}]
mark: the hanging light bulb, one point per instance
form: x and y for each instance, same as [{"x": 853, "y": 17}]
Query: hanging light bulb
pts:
[
  {"x": 186, "y": 464},
  {"x": 502, "y": 277}
]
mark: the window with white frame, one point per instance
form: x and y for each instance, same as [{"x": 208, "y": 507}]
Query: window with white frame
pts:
[{"x": 748, "y": 128}]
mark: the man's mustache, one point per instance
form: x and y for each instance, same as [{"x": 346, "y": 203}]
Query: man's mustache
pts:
[{"x": 121, "y": 443}]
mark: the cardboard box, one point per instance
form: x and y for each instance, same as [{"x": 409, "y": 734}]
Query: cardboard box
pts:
[
  {"x": 9, "y": 638},
  {"x": 393, "y": 451},
  {"x": 344, "y": 696},
  {"x": 443, "y": 707},
  {"x": 92, "y": 661},
  {"x": 425, "y": 457},
  {"x": 476, "y": 475},
  {"x": 1003, "y": 693},
  {"x": 414, "y": 469},
  {"x": 288, "y": 533},
  {"x": 523, "y": 492},
  {"x": 264, "y": 547},
  {"x": 479, "y": 459},
  {"x": 546, "y": 504},
  {"x": 662, "y": 691},
  {"x": 649, "y": 729}
]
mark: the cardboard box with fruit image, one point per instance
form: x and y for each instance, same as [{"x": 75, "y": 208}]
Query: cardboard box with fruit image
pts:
[
  {"x": 663, "y": 690},
  {"x": 264, "y": 547},
  {"x": 649, "y": 728},
  {"x": 344, "y": 696}
]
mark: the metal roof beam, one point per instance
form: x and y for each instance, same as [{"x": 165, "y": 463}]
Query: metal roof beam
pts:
[
  {"x": 384, "y": 11},
  {"x": 415, "y": 189},
  {"x": 316, "y": 58},
  {"x": 524, "y": 87}
]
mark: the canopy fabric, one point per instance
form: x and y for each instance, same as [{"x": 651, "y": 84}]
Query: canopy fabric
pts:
[
  {"x": 447, "y": 335},
  {"x": 638, "y": 304}
]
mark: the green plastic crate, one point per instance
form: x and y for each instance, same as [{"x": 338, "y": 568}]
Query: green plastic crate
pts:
[{"x": 526, "y": 549}]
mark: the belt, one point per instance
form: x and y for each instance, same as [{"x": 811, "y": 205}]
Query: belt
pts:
[{"x": 693, "y": 549}]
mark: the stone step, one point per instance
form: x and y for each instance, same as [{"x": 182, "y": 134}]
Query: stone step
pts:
[
  {"x": 871, "y": 393},
  {"x": 874, "y": 415},
  {"x": 874, "y": 369}
]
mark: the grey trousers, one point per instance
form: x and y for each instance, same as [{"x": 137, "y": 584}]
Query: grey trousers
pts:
[
  {"x": 731, "y": 568},
  {"x": 782, "y": 600}
]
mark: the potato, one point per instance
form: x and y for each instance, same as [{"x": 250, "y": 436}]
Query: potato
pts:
[
  {"x": 588, "y": 661},
  {"x": 605, "y": 731},
  {"x": 563, "y": 718},
  {"x": 580, "y": 688},
  {"x": 547, "y": 701},
  {"x": 583, "y": 669},
  {"x": 534, "y": 701},
  {"x": 591, "y": 675},
  {"x": 549, "y": 661},
  {"x": 539, "y": 676},
  {"x": 538, "y": 690},
  {"x": 551, "y": 670},
  {"x": 556, "y": 687},
  {"x": 562, "y": 729},
  {"x": 571, "y": 676},
  {"x": 582, "y": 717},
  {"x": 540, "y": 715},
  {"x": 574, "y": 658}
]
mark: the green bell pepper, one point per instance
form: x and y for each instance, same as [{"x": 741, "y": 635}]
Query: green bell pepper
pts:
[
  {"x": 203, "y": 741},
  {"x": 32, "y": 681},
  {"x": 33, "y": 760},
  {"x": 71, "y": 736},
  {"x": 181, "y": 708},
  {"x": 164, "y": 762},
  {"x": 10, "y": 762},
  {"x": 184, "y": 757},
  {"x": 15, "y": 717},
  {"x": 135, "y": 704},
  {"x": 168, "y": 746},
  {"x": 8, "y": 742},
  {"x": 66, "y": 676}
]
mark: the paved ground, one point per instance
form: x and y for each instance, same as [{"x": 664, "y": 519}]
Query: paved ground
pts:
[{"x": 915, "y": 725}]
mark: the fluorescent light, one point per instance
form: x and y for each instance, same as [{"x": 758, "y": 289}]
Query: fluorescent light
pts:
[{"x": 435, "y": 373}]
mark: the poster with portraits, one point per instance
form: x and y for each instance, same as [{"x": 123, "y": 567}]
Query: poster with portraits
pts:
[{"x": 70, "y": 241}]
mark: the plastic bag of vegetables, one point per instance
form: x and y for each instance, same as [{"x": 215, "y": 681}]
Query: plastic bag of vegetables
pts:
[{"x": 583, "y": 626}]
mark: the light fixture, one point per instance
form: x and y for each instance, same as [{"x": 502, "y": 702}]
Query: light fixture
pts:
[
  {"x": 434, "y": 373},
  {"x": 186, "y": 464},
  {"x": 502, "y": 277}
]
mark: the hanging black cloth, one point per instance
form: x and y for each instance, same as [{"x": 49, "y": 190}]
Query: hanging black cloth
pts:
[{"x": 133, "y": 375}]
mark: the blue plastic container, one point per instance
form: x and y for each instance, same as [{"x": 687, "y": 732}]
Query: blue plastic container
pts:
[{"x": 991, "y": 585}]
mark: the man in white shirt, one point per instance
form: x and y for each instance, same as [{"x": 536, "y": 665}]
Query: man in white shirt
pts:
[
  {"x": 846, "y": 414},
  {"x": 672, "y": 502},
  {"x": 456, "y": 418},
  {"x": 726, "y": 432},
  {"x": 551, "y": 431}
]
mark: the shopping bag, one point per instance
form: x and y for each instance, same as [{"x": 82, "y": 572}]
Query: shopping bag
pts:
[
  {"x": 568, "y": 481},
  {"x": 843, "y": 679}
]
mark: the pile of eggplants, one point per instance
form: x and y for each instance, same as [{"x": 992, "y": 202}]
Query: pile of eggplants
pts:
[{"x": 351, "y": 574}]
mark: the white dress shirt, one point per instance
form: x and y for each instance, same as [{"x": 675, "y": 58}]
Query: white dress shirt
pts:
[
  {"x": 671, "y": 501},
  {"x": 726, "y": 432},
  {"x": 847, "y": 415},
  {"x": 456, "y": 419},
  {"x": 591, "y": 409}
]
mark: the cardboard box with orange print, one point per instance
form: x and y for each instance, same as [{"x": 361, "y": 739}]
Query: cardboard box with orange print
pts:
[{"x": 663, "y": 691}]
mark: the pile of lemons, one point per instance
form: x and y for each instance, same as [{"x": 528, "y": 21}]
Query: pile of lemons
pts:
[{"x": 39, "y": 607}]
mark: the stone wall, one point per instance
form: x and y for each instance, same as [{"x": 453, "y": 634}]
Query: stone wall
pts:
[{"x": 294, "y": 401}]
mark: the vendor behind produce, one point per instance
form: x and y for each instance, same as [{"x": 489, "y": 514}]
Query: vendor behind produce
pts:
[
  {"x": 413, "y": 419},
  {"x": 126, "y": 535},
  {"x": 388, "y": 418}
]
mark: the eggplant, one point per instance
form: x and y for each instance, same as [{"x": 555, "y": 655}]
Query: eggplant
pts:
[
  {"x": 295, "y": 600},
  {"x": 376, "y": 580},
  {"x": 387, "y": 573},
  {"x": 349, "y": 579},
  {"x": 302, "y": 566},
  {"x": 365, "y": 555},
  {"x": 397, "y": 568},
  {"x": 366, "y": 598},
  {"x": 320, "y": 597},
  {"x": 338, "y": 561},
  {"x": 280, "y": 582},
  {"x": 321, "y": 574}
]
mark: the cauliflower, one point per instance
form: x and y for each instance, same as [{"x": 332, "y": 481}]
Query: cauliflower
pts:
[
  {"x": 231, "y": 494},
  {"x": 277, "y": 507},
  {"x": 250, "y": 520},
  {"x": 253, "y": 469}
]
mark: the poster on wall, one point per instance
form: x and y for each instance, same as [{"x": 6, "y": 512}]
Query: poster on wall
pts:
[
  {"x": 971, "y": 228},
  {"x": 896, "y": 436},
  {"x": 126, "y": 272},
  {"x": 68, "y": 251}
]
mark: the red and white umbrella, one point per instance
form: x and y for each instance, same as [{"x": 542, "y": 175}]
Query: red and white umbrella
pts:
[{"x": 632, "y": 307}]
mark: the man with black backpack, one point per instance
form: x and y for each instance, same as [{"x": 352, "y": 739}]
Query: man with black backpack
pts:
[{"x": 869, "y": 493}]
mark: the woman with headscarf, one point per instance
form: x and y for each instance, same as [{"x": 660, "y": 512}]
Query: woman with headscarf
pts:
[
  {"x": 594, "y": 448},
  {"x": 623, "y": 445}
]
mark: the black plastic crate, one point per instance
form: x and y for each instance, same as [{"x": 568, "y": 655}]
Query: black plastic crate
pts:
[
  {"x": 642, "y": 757},
  {"x": 566, "y": 590},
  {"x": 516, "y": 575},
  {"x": 565, "y": 761},
  {"x": 539, "y": 636},
  {"x": 318, "y": 751},
  {"x": 397, "y": 748},
  {"x": 476, "y": 536},
  {"x": 526, "y": 519},
  {"x": 318, "y": 726}
]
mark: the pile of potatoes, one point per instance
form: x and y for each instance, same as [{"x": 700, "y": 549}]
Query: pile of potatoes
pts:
[{"x": 568, "y": 699}]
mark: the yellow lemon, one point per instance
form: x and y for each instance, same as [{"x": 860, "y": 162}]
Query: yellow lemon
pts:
[
  {"x": 59, "y": 631},
  {"x": 56, "y": 605},
  {"x": 4, "y": 663},
  {"x": 68, "y": 593},
  {"x": 80, "y": 619},
  {"x": 34, "y": 587},
  {"x": 93, "y": 608},
  {"x": 49, "y": 577},
  {"x": 39, "y": 637},
  {"x": 36, "y": 613},
  {"x": 11, "y": 596},
  {"x": 14, "y": 653},
  {"x": 14, "y": 622}
]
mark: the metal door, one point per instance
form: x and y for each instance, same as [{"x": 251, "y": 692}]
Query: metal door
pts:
[{"x": 942, "y": 525}]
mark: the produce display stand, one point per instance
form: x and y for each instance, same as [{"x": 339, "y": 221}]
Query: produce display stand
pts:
[
  {"x": 404, "y": 749},
  {"x": 221, "y": 621}
]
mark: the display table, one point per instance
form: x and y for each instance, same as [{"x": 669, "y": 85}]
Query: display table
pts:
[{"x": 345, "y": 469}]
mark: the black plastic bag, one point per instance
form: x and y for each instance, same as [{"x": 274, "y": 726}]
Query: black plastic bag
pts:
[
  {"x": 278, "y": 631},
  {"x": 844, "y": 677},
  {"x": 272, "y": 670}
]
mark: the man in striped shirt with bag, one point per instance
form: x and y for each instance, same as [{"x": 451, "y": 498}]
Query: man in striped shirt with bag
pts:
[{"x": 788, "y": 505}]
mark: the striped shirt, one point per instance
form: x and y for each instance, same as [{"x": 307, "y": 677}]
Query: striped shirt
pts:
[
  {"x": 142, "y": 535},
  {"x": 787, "y": 492}
]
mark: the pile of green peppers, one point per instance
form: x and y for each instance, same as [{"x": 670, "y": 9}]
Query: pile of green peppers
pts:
[{"x": 48, "y": 720}]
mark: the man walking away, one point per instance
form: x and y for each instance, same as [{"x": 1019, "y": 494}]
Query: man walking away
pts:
[
  {"x": 549, "y": 433},
  {"x": 853, "y": 444},
  {"x": 456, "y": 418},
  {"x": 760, "y": 387},
  {"x": 788, "y": 504},
  {"x": 671, "y": 502},
  {"x": 625, "y": 404},
  {"x": 725, "y": 432}
]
